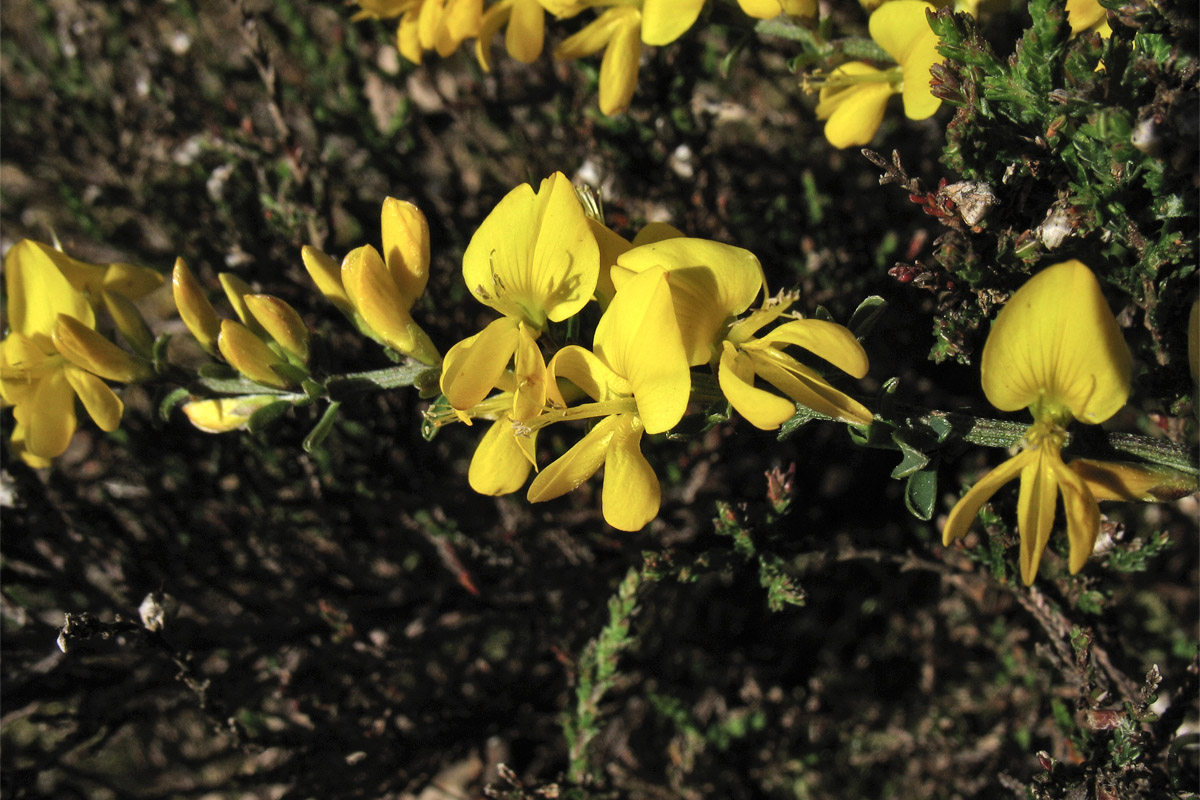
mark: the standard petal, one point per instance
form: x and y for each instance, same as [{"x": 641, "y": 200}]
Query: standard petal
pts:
[
  {"x": 576, "y": 465},
  {"x": 38, "y": 291},
  {"x": 526, "y": 31},
  {"x": 639, "y": 339},
  {"x": 474, "y": 365},
  {"x": 760, "y": 408},
  {"x": 101, "y": 402},
  {"x": 406, "y": 248},
  {"x": 499, "y": 466},
  {"x": 1056, "y": 344},
  {"x": 899, "y": 26},
  {"x": 619, "y": 68},
  {"x": 1035, "y": 509},
  {"x": 664, "y": 21},
  {"x": 854, "y": 113},
  {"x": 631, "y": 494},
  {"x": 828, "y": 340},
  {"x": 710, "y": 284},
  {"x": 566, "y": 259},
  {"x": 967, "y": 508},
  {"x": 50, "y": 423}
]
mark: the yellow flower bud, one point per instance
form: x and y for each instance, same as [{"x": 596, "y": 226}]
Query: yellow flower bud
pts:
[
  {"x": 327, "y": 275},
  {"x": 236, "y": 290},
  {"x": 89, "y": 350},
  {"x": 131, "y": 281},
  {"x": 249, "y": 354},
  {"x": 383, "y": 309},
  {"x": 195, "y": 310},
  {"x": 226, "y": 413},
  {"x": 406, "y": 247},
  {"x": 281, "y": 323}
]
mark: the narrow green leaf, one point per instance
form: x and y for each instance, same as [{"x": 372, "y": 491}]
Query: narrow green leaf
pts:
[{"x": 322, "y": 429}]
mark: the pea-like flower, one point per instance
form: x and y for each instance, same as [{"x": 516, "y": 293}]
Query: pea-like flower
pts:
[
  {"x": 53, "y": 353},
  {"x": 767, "y": 9},
  {"x": 439, "y": 25},
  {"x": 535, "y": 260},
  {"x": 621, "y": 31},
  {"x": 854, "y": 96},
  {"x": 1055, "y": 349}
]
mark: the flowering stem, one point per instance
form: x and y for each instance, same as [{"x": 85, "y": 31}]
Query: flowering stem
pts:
[{"x": 387, "y": 378}]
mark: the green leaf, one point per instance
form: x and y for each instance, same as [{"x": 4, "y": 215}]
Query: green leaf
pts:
[
  {"x": 913, "y": 459},
  {"x": 920, "y": 493},
  {"x": 322, "y": 429}
]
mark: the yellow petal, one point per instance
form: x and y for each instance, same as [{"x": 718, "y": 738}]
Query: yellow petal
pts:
[
  {"x": 20, "y": 449},
  {"x": 38, "y": 291},
  {"x": 408, "y": 37},
  {"x": 631, "y": 494},
  {"x": 767, "y": 9},
  {"x": 499, "y": 465},
  {"x": 611, "y": 245},
  {"x": 1083, "y": 14},
  {"x": 576, "y": 465},
  {"x": 584, "y": 369},
  {"x": 805, "y": 386},
  {"x": 529, "y": 368},
  {"x": 249, "y": 354},
  {"x": 129, "y": 322},
  {"x": 1083, "y": 515},
  {"x": 967, "y": 508},
  {"x": 832, "y": 342},
  {"x": 236, "y": 290},
  {"x": 474, "y": 365},
  {"x": 534, "y": 257},
  {"x": 1135, "y": 483},
  {"x": 901, "y": 28},
  {"x": 87, "y": 349},
  {"x": 375, "y": 295},
  {"x": 639, "y": 339},
  {"x": 327, "y": 275},
  {"x": 460, "y": 21},
  {"x": 406, "y": 247},
  {"x": 50, "y": 418},
  {"x": 594, "y": 36},
  {"x": 1035, "y": 509},
  {"x": 619, "y": 67},
  {"x": 194, "y": 309},
  {"x": 664, "y": 21},
  {"x": 101, "y": 402},
  {"x": 855, "y": 112},
  {"x": 281, "y": 323},
  {"x": 1055, "y": 345},
  {"x": 710, "y": 284},
  {"x": 493, "y": 20},
  {"x": 526, "y": 31},
  {"x": 760, "y": 408},
  {"x": 224, "y": 414},
  {"x": 131, "y": 281}
]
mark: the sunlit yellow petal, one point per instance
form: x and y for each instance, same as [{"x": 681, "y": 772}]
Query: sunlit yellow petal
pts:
[
  {"x": 327, "y": 275},
  {"x": 1083, "y": 515},
  {"x": 611, "y": 245},
  {"x": 1135, "y": 483},
  {"x": 131, "y": 281},
  {"x": 281, "y": 323},
  {"x": 760, "y": 408},
  {"x": 576, "y": 465},
  {"x": 855, "y": 112},
  {"x": 526, "y": 31},
  {"x": 619, "y": 67},
  {"x": 101, "y": 402},
  {"x": 710, "y": 284},
  {"x": 584, "y": 369},
  {"x": 766, "y": 9},
  {"x": 406, "y": 248},
  {"x": 50, "y": 419},
  {"x": 832, "y": 342},
  {"x": 38, "y": 291},
  {"x": 249, "y": 354},
  {"x": 529, "y": 368},
  {"x": 664, "y": 21},
  {"x": 408, "y": 37},
  {"x": 967, "y": 508},
  {"x": 499, "y": 466},
  {"x": 1035, "y": 509},
  {"x": 594, "y": 36},
  {"x": 474, "y": 365},
  {"x": 224, "y": 414},
  {"x": 87, "y": 349},
  {"x": 806, "y": 387},
  {"x": 639, "y": 339},
  {"x": 901, "y": 28},
  {"x": 631, "y": 494},
  {"x": 377, "y": 298},
  {"x": 1056, "y": 345},
  {"x": 496, "y": 16}
]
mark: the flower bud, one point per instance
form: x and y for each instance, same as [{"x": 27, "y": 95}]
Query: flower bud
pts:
[
  {"x": 236, "y": 290},
  {"x": 378, "y": 299},
  {"x": 406, "y": 248},
  {"x": 327, "y": 276},
  {"x": 281, "y": 322},
  {"x": 129, "y": 322},
  {"x": 131, "y": 281},
  {"x": 225, "y": 414},
  {"x": 195, "y": 310},
  {"x": 249, "y": 354},
  {"x": 89, "y": 350}
]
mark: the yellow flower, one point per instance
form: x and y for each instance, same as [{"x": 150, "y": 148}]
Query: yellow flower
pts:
[
  {"x": 53, "y": 354},
  {"x": 620, "y": 32},
  {"x": 224, "y": 414},
  {"x": 767, "y": 9},
  {"x": 535, "y": 260},
  {"x": 378, "y": 292},
  {"x": 1088, "y": 16},
  {"x": 855, "y": 94},
  {"x": 439, "y": 25},
  {"x": 1055, "y": 349},
  {"x": 637, "y": 374},
  {"x": 523, "y": 38}
]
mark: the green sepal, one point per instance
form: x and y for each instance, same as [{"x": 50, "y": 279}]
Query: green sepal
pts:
[
  {"x": 263, "y": 418},
  {"x": 920, "y": 492},
  {"x": 322, "y": 428},
  {"x": 863, "y": 320},
  {"x": 171, "y": 401}
]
